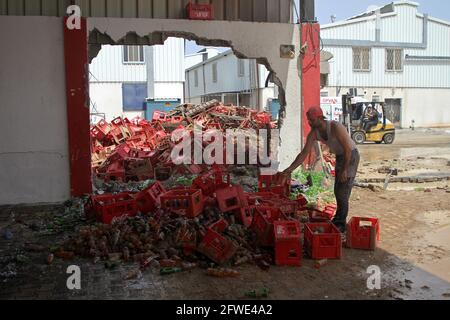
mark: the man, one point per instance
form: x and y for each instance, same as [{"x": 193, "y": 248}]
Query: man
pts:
[
  {"x": 335, "y": 136},
  {"x": 371, "y": 118}
]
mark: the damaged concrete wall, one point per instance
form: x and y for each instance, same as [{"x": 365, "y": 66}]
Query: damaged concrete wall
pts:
[
  {"x": 261, "y": 41},
  {"x": 34, "y": 151}
]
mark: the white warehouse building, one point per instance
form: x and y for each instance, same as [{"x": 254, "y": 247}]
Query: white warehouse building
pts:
[
  {"x": 222, "y": 76},
  {"x": 395, "y": 54},
  {"x": 123, "y": 78}
]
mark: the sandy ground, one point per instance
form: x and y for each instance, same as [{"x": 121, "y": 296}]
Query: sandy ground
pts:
[{"x": 413, "y": 255}]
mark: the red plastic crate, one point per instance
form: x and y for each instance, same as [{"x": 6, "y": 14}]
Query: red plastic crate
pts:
[
  {"x": 245, "y": 215},
  {"x": 219, "y": 226},
  {"x": 324, "y": 245},
  {"x": 318, "y": 216},
  {"x": 211, "y": 181},
  {"x": 272, "y": 183},
  {"x": 288, "y": 247},
  {"x": 159, "y": 116},
  {"x": 117, "y": 122},
  {"x": 109, "y": 206},
  {"x": 149, "y": 198},
  {"x": 301, "y": 202},
  {"x": 262, "y": 224},
  {"x": 216, "y": 247},
  {"x": 187, "y": 202},
  {"x": 231, "y": 198},
  {"x": 199, "y": 11},
  {"x": 286, "y": 206},
  {"x": 363, "y": 233}
]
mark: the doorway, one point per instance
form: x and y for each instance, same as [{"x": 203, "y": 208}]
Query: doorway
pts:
[{"x": 393, "y": 111}]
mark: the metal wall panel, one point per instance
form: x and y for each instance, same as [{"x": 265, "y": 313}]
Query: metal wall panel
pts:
[
  {"x": 130, "y": 9},
  {"x": 246, "y": 10},
  {"x": 233, "y": 10},
  {"x": 3, "y": 7},
  {"x": 145, "y": 9},
  {"x": 259, "y": 11},
  {"x": 32, "y": 7},
  {"x": 160, "y": 9},
  {"x": 62, "y": 7},
  {"x": 273, "y": 10},
  {"x": 49, "y": 8},
  {"x": 114, "y": 8},
  {"x": 16, "y": 8},
  {"x": 219, "y": 9}
]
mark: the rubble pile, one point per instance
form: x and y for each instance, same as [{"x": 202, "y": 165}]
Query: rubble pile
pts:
[
  {"x": 208, "y": 224},
  {"x": 137, "y": 149}
]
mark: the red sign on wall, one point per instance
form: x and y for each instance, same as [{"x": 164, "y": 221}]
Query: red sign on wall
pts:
[{"x": 199, "y": 11}]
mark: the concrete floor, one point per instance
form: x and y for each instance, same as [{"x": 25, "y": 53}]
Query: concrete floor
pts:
[{"x": 413, "y": 256}]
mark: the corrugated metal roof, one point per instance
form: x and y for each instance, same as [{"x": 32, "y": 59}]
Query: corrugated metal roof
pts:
[{"x": 233, "y": 10}]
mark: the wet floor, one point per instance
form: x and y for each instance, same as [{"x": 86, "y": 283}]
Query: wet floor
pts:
[{"x": 410, "y": 144}]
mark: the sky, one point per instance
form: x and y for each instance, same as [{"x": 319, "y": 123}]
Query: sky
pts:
[{"x": 344, "y": 9}]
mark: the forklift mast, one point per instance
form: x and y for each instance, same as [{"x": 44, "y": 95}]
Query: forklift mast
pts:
[{"x": 347, "y": 111}]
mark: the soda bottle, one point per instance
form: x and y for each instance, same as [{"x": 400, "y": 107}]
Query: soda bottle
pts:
[
  {"x": 166, "y": 271},
  {"x": 222, "y": 273}
]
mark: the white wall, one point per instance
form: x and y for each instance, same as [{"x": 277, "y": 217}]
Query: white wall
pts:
[
  {"x": 107, "y": 98},
  {"x": 405, "y": 25},
  {"x": 164, "y": 90},
  {"x": 34, "y": 154},
  {"x": 108, "y": 66},
  {"x": 427, "y": 107}
]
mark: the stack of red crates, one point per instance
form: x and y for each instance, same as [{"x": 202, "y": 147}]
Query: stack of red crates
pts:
[
  {"x": 323, "y": 241},
  {"x": 288, "y": 247},
  {"x": 149, "y": 198},
  {"x": 186, "y": 202},
  {"x": 363, "y": 233}
]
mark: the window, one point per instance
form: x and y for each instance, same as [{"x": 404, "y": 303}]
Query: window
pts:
[
  {"x": 361, "y": 59},
  {"x": 134, "y": 96},
  {"x": 214, "y": 72},
  {"x": 241, "y": 68},
  {"x": 133, "y": 54},
  {"x": 196, "y": 78},
  {"x": 394, "y": 59}
]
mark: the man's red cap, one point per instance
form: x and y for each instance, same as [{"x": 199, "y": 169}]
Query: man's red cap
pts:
[{"x": 315, "y": 113}]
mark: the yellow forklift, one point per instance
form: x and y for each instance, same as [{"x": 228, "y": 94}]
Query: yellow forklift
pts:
[{"x": 354, "y": 119}]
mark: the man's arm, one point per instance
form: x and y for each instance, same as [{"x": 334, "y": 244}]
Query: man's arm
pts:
[
  {"x": 302, "y": 156},
  {"x": 343, "y": 137}
]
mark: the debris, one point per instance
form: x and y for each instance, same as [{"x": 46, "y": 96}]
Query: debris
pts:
[
  {"x": 320, "y": 263},
  {"x": 22, "y": 259},
  {"x": 50, "y": 258},
  {"x": 261, "y": 293},
  {"x": 166, "y": 271},
  {"x": 34, "y": 247},
  {"x": 222, "y": 272},
  {"x": 133, "y": 274},
  {"x": 135, "y": 150},
  {"x": 7, "y": 234}
]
